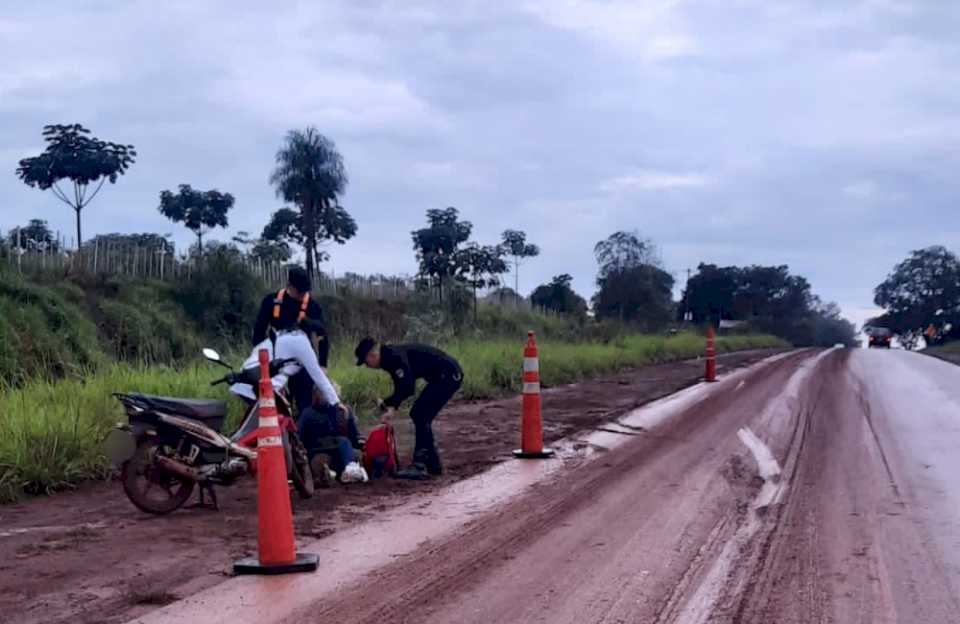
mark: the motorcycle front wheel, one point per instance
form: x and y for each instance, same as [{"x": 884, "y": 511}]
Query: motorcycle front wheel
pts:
[
  {"x": 148, "y": 487},
  {"x": 299, "y": 463}
]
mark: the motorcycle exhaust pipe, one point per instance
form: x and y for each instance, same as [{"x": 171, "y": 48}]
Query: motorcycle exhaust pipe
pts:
[{"x": 178, "y": 468}]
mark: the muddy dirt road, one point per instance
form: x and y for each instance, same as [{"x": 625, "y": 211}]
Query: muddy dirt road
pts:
[
  {"x": 90, "y": 557},
  {"x": 819, "y": 487}
]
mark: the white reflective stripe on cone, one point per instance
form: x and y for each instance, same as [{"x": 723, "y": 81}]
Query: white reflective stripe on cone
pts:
[
  {"x": 531, "y": 387},
  {"x": 268, "y": 403},
  {"x": 531, "y": 365},
  {"x": 270, "y": 441},
  {"x": 269, "y": 421}
]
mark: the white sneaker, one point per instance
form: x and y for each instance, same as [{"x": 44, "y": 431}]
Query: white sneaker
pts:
[{"x": 354, "y": 473}]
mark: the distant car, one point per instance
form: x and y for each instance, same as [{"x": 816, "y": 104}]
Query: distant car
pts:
[{"x": 879, "y": 338}]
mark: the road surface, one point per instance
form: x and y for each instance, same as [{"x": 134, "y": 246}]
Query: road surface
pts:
[{"x": 817, "y": 487}]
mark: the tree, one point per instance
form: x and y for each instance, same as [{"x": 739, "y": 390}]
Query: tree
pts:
[
  {"x": 922, "y": 290},
  {"x": 84, "y": 160},
  {"x": 287, "y": 227},
  {"x": 35, "y": 236},
  {"x": 516, "y": 246},
  {"x": 710, "y": 293},
  {"x": 631, "y": 285},
  {"x": 560, "y": 297},
  {"x": 310, "y": 174},
  {"x": 199, "y": 211},
  {"x": 437, "y": 244},
  {"x": 480, "y": 267},
  {"x": 262, "y": 249},
  {"x": 624, "y": 250}
]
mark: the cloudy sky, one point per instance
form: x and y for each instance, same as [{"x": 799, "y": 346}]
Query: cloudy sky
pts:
[{"x": 818, "y": 134}]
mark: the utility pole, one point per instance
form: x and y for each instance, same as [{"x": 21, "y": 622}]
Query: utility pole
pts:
[{"x": 686, "y": 299}]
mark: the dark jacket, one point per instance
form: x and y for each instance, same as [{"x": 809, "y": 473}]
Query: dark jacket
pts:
[
  {"x": 289, "y": 311},
  {"x": 409, "y": 362}
]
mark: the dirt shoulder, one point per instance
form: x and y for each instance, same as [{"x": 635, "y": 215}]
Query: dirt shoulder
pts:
[{"x": 90, "y": 556}]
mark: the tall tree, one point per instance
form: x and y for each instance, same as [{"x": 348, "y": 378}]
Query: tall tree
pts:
[
  {"x": 310, "y": 174},
  {"x": 437, "y": 244},
  {"x": 287, "y": 227},
  {"x": 83, "y": 160},
  {"x": 480, "y": 267},
  {"x": 922, "y": 290},
  {"x": 631, "y": 285},
  {"x": 559, "y": 296},
  {"x": 199, "y": 211},
  {"x": 35, "y": 236},
  {"x": 516, "y": 246}
]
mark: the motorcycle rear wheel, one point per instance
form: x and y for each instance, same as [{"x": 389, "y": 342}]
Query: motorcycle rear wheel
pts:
[
  {"x": 141, "y": 477},
  {"x": 300, "y": 472}
]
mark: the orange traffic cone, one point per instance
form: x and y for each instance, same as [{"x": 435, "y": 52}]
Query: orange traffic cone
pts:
[
  {"x": 531, "y": 426},
  {"x": 277, "y": 554},
  {"x": 711, "y": 372}
]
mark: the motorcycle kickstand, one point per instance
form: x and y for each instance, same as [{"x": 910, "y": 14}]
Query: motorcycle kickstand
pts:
[{"x": 208, "y": 488}]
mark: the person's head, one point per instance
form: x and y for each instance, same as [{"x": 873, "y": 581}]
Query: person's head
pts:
[
  {"x": 298, "y": 282},
  {"x": 368, "y": 352}
]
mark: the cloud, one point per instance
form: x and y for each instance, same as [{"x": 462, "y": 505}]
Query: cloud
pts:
[
  {"x": 729, "y": 131},
  {"x": 653, "y": 180},
  {"x": 862, "y": 189},
  {"x": 649, "y": 30}
]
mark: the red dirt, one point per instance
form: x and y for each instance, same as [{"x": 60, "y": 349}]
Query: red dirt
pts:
[{"x": 90, "y": 556}]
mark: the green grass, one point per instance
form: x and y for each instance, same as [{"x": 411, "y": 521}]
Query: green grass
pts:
[{"x": 52, "y": 430}]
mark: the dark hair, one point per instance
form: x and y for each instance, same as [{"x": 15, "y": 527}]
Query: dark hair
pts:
[{"x": 299, "y": 279}]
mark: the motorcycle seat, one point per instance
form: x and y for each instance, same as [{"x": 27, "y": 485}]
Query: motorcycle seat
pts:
[{"x": 208, "y": 411}]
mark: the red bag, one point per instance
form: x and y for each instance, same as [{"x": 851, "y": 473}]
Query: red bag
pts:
[{"x": 380, "y": 452}]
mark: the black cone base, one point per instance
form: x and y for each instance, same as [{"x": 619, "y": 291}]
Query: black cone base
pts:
[
  {"x": 544, "y": 454},
  {"x": 305, "y": 562}
]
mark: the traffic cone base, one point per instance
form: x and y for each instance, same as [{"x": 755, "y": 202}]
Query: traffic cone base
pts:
[
  {"x": 544, "y": 454},
  {"x": 303, "y": 562}
]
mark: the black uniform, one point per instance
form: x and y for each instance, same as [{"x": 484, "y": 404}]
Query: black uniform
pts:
[
  {"x": 406, "y": 364},
  {"x": 301, "y": 386}
]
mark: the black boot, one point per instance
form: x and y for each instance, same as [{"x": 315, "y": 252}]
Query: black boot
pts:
[{"x": 432, "y": 462}]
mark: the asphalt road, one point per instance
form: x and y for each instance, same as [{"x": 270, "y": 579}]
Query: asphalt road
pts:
[{"x": 817, "y": 487}]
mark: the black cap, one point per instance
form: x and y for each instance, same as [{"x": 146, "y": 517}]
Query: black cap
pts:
[
  {"x": 363, "y": 349},
  {"x": 299, "y": 279}
]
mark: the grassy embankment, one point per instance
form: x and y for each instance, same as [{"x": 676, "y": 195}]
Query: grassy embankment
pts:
[
  {"x": 949, "y": 352},
  {"x": 52, "y": 428}
]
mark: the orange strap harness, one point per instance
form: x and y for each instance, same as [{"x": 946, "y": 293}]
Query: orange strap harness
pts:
[{"x": 279, "y": 302}]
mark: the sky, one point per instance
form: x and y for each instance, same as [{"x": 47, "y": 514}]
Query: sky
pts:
[{"x": 821, "y": 135}]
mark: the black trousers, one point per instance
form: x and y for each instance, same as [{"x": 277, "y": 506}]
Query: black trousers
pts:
[{"x": 425, "y": 409}]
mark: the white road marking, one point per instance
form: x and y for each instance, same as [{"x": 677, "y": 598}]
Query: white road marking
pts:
[
  {"x": 740, "y": 385},
  {"x": 768, "y": 467}
]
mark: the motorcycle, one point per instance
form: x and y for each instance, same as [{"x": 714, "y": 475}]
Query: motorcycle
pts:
[{"x": 169, "y": 446}]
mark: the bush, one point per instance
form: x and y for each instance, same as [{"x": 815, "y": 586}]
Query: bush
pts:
[{"x": 222, "y": 297}]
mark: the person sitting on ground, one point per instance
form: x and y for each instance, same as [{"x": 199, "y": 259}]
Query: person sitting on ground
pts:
[
  {"x": 406, "y": 363},
  {"x": 332, "y": 440}
]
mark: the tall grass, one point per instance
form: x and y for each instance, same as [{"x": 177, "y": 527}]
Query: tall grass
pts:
[{"x": 51, "y": 431}]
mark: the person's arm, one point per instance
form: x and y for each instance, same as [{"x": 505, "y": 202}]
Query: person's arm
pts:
[
  {"x": 300, "y": 348},
  {"x": 315, "y": 313},
  {"x": 263, "y": 320},
  {"x": 404, "y": 384}
]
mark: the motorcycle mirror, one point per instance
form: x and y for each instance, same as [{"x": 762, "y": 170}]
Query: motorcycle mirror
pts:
[{"x": 213, "y": 356}]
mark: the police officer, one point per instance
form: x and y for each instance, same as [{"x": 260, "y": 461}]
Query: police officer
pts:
[
  {"x": 287, "y": 308},
  {"x": 406, "y": 363}
]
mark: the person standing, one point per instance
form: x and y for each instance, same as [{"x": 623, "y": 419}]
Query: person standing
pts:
[
  {"x": 406, "y": 363},
  {"x": 289, "y": 307}
]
